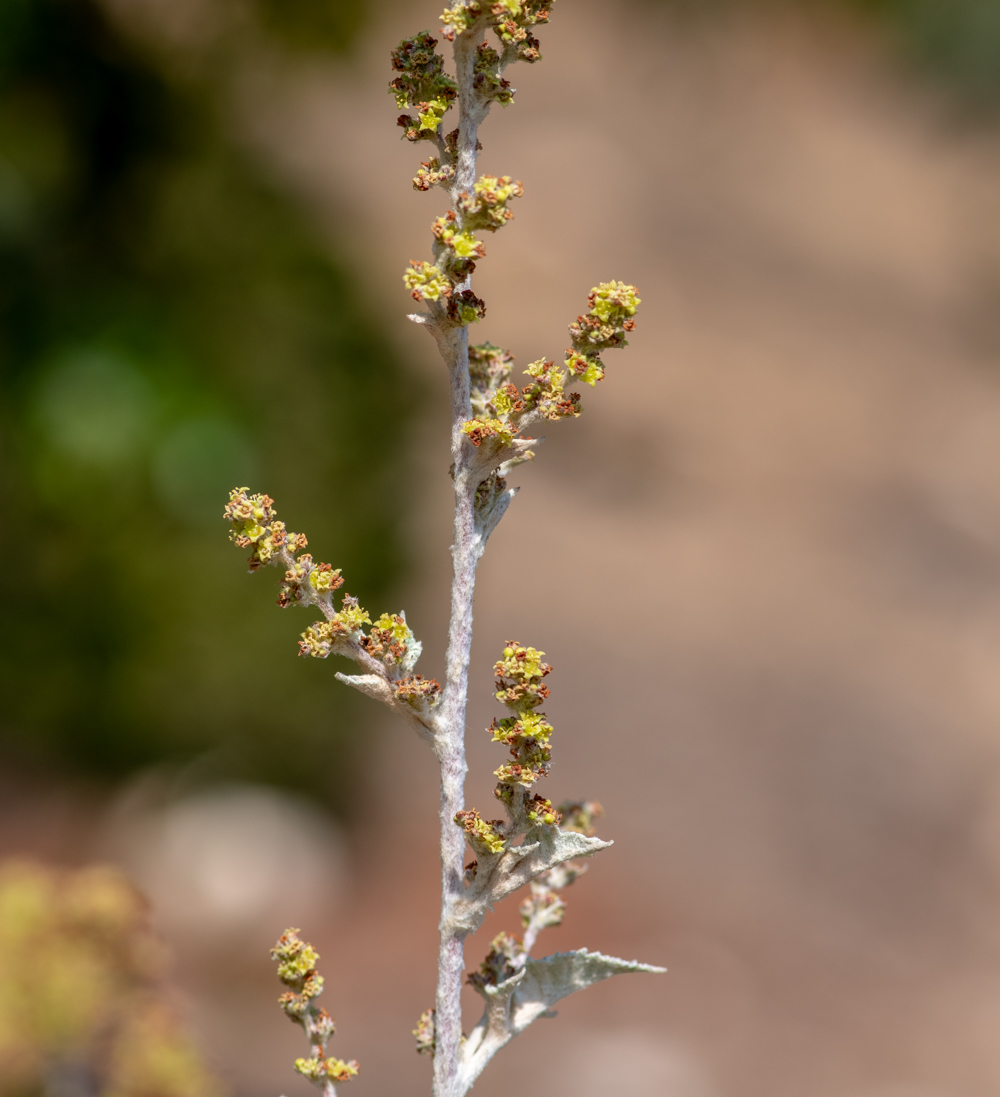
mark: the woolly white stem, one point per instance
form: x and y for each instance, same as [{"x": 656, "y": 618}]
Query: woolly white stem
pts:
[{"x": 465, "y": 553}]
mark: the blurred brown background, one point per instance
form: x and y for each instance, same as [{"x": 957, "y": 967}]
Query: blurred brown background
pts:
[{"x": 765, "y": 564}]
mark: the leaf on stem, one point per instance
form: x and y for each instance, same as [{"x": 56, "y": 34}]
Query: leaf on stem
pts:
[{"x": 529, "y": 994}]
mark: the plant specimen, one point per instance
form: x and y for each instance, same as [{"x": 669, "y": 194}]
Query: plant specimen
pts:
[{"x": 536, "y": 845}]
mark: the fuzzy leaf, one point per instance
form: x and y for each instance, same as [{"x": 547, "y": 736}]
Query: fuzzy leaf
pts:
[
  {"x": 554, "y": 977},
  {"x": 544, "y": 847},
  {"x": 512, "y": 1005},
  {"x": 498, "y": 876},
  {"x": 382, "y": 689}
]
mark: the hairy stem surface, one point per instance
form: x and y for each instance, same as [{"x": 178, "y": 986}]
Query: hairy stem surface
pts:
[{"x": 465, "y": 555}]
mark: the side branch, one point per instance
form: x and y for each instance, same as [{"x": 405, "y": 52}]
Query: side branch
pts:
[{"x": 387, "y": 652}]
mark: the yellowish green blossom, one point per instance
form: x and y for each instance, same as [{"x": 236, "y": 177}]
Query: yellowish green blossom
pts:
[
  {"x": 460, "y": 241},
  {"x": 547, "y": 394},
  {"x": 466, "y": 308},
  {"x": 424, "y": 1033},
  {"x": 588, "y": 369},
  {"x": 320, "y": 639},
  {"x": 506, "y": 402},
  {"x": 519, "y": 677},
  {"x": 297, "y": 969},
  {"x": 540, "y": 811},
  {"x": 430, "y": 114},
  {"x": 425, "y": 281},
  {"x": 489, "y": 370},
  {"x": 324, "y": 579},
  {"x": 389, "y": 639},
  {"x": 459, "y": 17},
  {"x": 612, "y": 302},
  {"x": 486, "y": 208},
  {"x": 351, "y": 617},
  {"x": 296, "y": 959},
  {"x": 396, "y": 626},
  {"x": 479, "y": 430},
  {"x": 422, "y": 83},
  {"x": 527, "y": 725},
  {"x": 484, "y": 837},
  {"x": 318, "y": 1070}
]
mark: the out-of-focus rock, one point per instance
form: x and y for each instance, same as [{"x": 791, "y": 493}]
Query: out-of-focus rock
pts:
[{"x": 231, "y": 861}]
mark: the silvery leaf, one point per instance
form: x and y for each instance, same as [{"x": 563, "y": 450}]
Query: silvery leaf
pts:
[{"x": 512, "y": 1005}]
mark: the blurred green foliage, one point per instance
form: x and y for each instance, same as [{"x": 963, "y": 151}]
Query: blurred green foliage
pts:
[
  {"x": 170, "y": 327},
  {"x": 956, "y": 39}
]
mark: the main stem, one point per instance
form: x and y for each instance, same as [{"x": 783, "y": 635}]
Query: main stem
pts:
[{"x": 465, "y": 553}]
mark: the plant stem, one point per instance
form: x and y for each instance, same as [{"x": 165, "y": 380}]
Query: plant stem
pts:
[
  {"x": 451, "y": 742},
  {"x": 465, "y": 554}
]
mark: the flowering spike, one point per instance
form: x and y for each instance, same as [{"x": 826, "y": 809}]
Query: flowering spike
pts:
[
  {"x": 296, "y": 961},
  {"x": 423, "y": 84}
]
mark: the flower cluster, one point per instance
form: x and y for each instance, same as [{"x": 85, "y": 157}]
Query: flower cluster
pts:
[
  {"x": 516, "y": 36},
  {"x": 425, "y": 281},
  {"x": 526, "y": 733},
  {"x": 389, "y": 639},
  {"x": 612, "y": 306},
  {"x": 306, "y": 582},
  {"x": 510, "y": 20},
  {"x": 498, "y": 404},
  {"x": 519, "y": 675},
  {"x": 432, "y": 173},
  {"x": 424, "y": 1033},
  {"x": 296, "y": 961},
  {"x": 423, "y": 84},
  {"x": 488, "y": 78},
  {"x": 547, "y": 392},
  {"x": 418, "y": 690},
  {"x": 486, "y": 208},
  {"x": 320, "y": 640},
  {"x": 456, "y": 248},
  {"x": 502, "y": 962},
  {"x": 466, "y": 308},
  {"x": 484, "y": 837},
  {"x": 254, "y": 526},
  {"x": 478, "y": 430},
  {"x": 489, "y": 369}
]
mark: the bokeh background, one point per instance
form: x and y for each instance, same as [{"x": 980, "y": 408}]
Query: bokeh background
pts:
[{"x": 765, "y": 562}]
